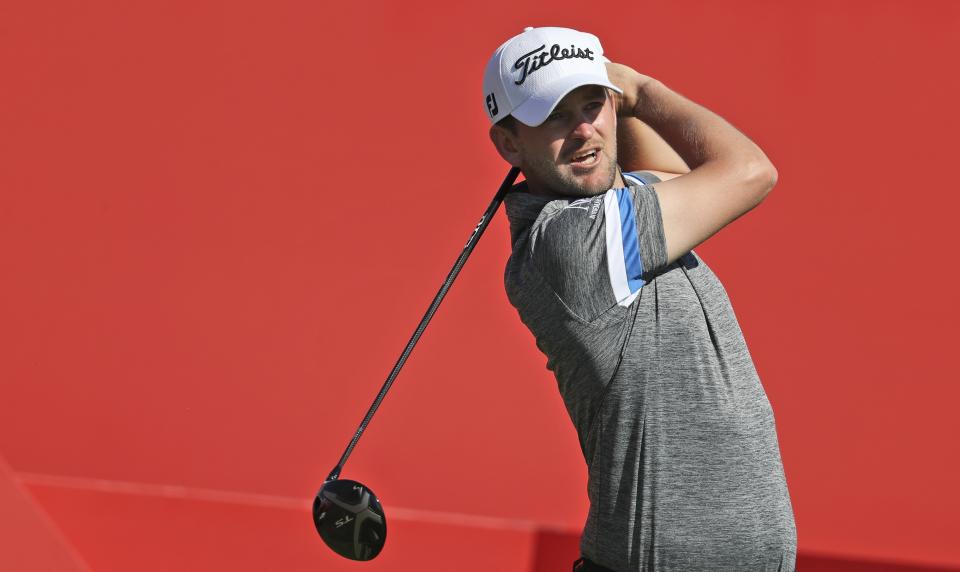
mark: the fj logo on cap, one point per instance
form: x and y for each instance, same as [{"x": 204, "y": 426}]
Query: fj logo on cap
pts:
[
  {"x": 492, "y": 105},
  {"x": 540, "y": 57}
]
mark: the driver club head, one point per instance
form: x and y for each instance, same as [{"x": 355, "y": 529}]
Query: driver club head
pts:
[{"x": 350, "y": 520}]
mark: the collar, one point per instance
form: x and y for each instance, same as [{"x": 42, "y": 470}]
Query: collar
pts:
[{"x": 523, "y": 208}]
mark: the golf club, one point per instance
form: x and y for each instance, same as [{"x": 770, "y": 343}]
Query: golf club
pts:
[{"x": 347, "y": 514}]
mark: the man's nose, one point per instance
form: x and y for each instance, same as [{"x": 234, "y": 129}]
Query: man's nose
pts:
[{"x": 584, "y": 128}]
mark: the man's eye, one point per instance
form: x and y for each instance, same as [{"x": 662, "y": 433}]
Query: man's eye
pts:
[{"x": 554, "y": 116}]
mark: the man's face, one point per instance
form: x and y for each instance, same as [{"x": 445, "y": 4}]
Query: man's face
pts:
[{"x": 573, "y": 152}]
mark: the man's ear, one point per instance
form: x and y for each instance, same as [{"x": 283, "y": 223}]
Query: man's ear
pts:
[{"x": 506, "y": 144}]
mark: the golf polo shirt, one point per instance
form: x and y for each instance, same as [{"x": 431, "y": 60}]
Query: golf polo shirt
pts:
[{"x": 679, "y": 438}]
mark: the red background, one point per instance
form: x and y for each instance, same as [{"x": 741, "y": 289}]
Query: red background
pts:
[{"x": 221, "y": 221}]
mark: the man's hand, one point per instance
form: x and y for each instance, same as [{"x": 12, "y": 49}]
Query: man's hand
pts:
[{"x": 631, "y": 82}]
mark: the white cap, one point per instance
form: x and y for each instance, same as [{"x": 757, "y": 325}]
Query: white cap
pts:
[{"x": 531, "y": 72}]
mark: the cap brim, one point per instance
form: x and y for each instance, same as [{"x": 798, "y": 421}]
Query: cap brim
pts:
[{"x": 537, "y": 108}]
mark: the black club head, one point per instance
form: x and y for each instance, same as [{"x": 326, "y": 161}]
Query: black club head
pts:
[{"x": 350, "y": 520}]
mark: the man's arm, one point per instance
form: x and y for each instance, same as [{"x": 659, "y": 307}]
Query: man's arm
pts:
[
  {"x": 640, "y": 148},
  {"x": 729, "y": 176}
]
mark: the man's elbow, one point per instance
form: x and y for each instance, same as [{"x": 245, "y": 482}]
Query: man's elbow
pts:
[
  {"x": 761, "y": 177},
  {"x": 771, "y": 175}
]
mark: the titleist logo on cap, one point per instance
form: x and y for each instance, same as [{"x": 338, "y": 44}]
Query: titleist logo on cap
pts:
[{"x": 541, "y": 57}]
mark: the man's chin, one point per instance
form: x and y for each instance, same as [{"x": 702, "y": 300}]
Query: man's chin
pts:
[
  {"x": 593, "y": 183},
  {"x": 566, "y": 182}
]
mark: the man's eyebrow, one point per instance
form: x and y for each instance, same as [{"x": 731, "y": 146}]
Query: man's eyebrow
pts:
[{"x": 599, "y": 92}]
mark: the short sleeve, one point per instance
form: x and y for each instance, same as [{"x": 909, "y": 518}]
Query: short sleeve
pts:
[{"x": 599, "y": 252}]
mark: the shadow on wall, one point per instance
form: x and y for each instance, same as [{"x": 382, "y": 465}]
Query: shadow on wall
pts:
[{"x": 556, "y": 551}]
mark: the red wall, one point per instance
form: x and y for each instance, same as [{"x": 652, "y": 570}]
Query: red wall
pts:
[{"x": 221, "y": 221}]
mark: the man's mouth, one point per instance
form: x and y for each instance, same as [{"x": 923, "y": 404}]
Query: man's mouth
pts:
[{"x": 586, "y": 159}]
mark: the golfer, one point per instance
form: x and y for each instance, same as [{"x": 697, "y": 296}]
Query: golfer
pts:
[{"x": 679, "y": 438}]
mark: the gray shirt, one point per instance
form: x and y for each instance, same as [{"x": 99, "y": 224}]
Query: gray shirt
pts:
[{"x": 678, "y": 435}]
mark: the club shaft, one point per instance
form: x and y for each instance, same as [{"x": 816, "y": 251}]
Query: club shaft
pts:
[{"x": 461, "y": 260}]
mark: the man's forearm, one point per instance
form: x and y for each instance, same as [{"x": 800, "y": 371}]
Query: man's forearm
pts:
[
  {"x": 640, "y": 148},
  {"x": 697, "y": 134}
]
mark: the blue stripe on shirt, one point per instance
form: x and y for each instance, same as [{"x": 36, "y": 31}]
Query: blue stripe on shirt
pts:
[{"x": 631, "y": 243}]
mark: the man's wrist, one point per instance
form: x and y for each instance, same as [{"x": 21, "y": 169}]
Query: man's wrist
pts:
[{"x": 645, "y": 107}]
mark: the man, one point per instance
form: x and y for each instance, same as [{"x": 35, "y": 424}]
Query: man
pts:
[{"x": 678, "y": 435}]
